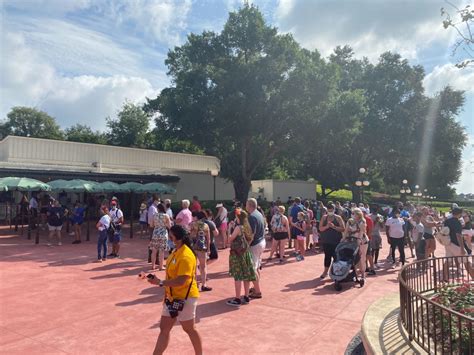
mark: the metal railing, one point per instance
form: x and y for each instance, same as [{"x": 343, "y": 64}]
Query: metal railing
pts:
[{"x": 433, "y": 326}]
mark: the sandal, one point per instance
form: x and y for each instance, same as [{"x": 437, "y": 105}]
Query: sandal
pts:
[
  {"x": 323, "y": 276},
  {"x": 205, "y": 288},
  {"x": 255, "y": 295}
]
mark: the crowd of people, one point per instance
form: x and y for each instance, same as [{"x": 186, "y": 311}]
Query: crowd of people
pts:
[{"x": 187, "y": 241}]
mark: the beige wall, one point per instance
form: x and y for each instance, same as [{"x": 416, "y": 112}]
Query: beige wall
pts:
[
  {"x": 71, "y": 156},
  {"x": 202, "y": 185},
  {"x": 275, "y": 188}
]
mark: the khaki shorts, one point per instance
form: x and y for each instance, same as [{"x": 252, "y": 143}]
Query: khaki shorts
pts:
[
  {"x": 188, "y": 312},
  {"x": 54, "y": 228}
]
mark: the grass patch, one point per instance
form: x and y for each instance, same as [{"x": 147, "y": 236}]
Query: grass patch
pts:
[{"x": 345, "y": 195}]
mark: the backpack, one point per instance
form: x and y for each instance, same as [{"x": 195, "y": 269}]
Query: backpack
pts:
[
  {"x": 112, "y": 228},
  {"x": 276, "y": 222},
  {"x": 200, "y": 241}
]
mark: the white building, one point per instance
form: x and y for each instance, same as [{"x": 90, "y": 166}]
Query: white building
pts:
[
  {"x": 47, "y": 160},
  {"x": 274, "y": 189}
]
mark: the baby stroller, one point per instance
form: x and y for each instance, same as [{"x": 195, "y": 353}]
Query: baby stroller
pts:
[{"x": 343, "y": 269}]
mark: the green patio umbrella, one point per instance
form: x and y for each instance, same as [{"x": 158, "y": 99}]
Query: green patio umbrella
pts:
[
  {"x": 131, "y": 186},
  {"x": 24, "y": 184},
  {"x": 58, "y": 185},
  {"x": 79, "y": 185},
  {"x": 109, "y": 186},
  {"x": 157, "y": 188}
]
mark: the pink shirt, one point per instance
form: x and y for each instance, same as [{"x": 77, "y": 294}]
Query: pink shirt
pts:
[{"x": 186, "y": 217}]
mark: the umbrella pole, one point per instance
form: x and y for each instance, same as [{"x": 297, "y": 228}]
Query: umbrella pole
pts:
[
  {"x": 37, "y": 234},
  {"x": 29, "y": 225},
  {"x": 22, "y": 221},
  {"x": 131, "y": 215},
  {"x": 16, "y": 218},
  {"x": 9, "y": 214},
  {"x": 88, "y": 234}
]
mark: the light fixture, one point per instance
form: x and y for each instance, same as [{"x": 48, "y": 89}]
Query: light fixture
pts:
[
  {"x": 405, "y": 181},
  {"x": 366, "y": 183},
  {"x": 417, "y": 186},
  {"x": 425, "y": 190},
  {"x": 358, "y": 183},
  {"x": 402, "y": 191},
  {"x": 362, "y": 170},
  {"x": 408, "y": 191},
  {"x": 214, "y": 172}
]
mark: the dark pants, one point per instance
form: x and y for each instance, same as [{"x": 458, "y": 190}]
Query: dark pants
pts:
[
  {"x": 102, "y": 244},
  {"x": 329, "y": 252},
  {"x": 400, "y": 244}
]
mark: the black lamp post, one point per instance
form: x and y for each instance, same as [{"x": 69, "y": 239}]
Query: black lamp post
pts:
[
  {"x": 405, "y": 190},
  {"x": 361, "y": 183},
  {"x": 214, "y": 174}
]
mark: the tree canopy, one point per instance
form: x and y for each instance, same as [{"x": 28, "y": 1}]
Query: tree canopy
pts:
[{"x": 30, "y": 122}]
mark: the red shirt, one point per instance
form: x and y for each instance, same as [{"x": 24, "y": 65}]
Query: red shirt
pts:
[
  {"x": 195, "y": 206},
  {"x": 370, "y": 226}
]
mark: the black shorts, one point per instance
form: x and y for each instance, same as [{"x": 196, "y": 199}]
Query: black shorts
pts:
[
  {"x": 295, "y": 232},
  {"x": 280, "y": 235},
  {"x": 427, "y": 236}
]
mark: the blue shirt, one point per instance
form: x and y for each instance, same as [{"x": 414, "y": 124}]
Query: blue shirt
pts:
[
  {"x": 79, "y": 215},
  {"x": 295, "y": 209},
  {"x": 258, "y": 227},
  {"x": 404, "y": 214}
]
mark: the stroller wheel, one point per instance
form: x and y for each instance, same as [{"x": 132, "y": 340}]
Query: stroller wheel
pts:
[
  {"x": 361, "y": 282},
  {"x": 337, "y": 286}
]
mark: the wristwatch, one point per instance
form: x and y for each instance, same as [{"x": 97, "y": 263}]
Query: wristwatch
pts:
[{"x": 161, "y": 283}]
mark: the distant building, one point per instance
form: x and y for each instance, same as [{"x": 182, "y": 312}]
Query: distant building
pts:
[
  {"x": 272, "y": 189},
  {"x": 47, "y": 160}
]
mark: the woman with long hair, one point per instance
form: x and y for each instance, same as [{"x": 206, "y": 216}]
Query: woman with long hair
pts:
[
  {"x": 180, "y": 288},
  {"x": 240, "y": 259},
  {"x": 356, "y": 227},
  {"x": 159, "y": 239},
  {"x": 201, "y": 236},
  {"x": 281, "y": 233}
]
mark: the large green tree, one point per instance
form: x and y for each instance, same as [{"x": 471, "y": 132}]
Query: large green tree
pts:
[
  {"x": 239, "y": 94},
  {"x": 84, "y": 134},
  {"x": 131, "y": 127},
  {"x": 30, "y": 122}
]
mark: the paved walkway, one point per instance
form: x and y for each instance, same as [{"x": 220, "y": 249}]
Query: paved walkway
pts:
[{"x": 58, "y": 300}]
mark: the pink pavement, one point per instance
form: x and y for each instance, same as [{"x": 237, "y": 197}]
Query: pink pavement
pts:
[{"x": 57, "y": 300}]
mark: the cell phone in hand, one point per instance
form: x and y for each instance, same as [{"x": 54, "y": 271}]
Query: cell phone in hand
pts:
[{"x": 150, "y": 276}]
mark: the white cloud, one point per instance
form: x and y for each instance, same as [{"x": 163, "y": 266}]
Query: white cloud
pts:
[
  {"x": 27, "y": 79},
  {"x": 160, "y": 20},
  {"x": 466, "y": 183},
  {"x": 370, "y": 27},
  {"x": 448, "y": 74}
]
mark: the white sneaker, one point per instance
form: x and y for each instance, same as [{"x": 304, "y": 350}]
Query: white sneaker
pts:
[{"x": 49, "y": 244}]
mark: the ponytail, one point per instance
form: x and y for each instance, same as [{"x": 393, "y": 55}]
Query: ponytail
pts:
[{"x": 183, "y": 235}]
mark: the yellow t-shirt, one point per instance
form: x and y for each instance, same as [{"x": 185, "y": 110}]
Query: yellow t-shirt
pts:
[{"x": 182, "y": 262}]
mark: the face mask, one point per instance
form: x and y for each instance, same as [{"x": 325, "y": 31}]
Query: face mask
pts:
[{"x": 330, "y": 214}]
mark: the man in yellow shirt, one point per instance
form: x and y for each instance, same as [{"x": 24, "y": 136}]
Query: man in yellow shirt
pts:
[{"x": 181, "y": 292}]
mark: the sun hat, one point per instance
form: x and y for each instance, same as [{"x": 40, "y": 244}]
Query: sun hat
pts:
[{"x": 219, "y": 205}]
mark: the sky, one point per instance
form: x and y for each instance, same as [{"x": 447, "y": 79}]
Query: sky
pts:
[{"x": 79, "y": 60}]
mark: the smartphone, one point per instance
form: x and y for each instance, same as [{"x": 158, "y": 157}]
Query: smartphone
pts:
[{"x": 150, "y": 276}]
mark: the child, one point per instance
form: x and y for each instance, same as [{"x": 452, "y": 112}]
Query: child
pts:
[
  {"x": 300, "y": 226},
  {"x": 144, "y": 220}
]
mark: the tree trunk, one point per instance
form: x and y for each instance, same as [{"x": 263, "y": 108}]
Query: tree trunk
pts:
[{"x": 242, "y": 188}]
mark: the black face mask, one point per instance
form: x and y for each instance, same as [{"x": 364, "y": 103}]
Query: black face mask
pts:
[{"x": 168, "y": 205}]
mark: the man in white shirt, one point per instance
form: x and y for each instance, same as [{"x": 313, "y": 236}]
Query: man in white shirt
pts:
[
  {"x": 396, "y": 235},
  {"x": 116, "y": 216},
  {"x": 33, "y": 210}
]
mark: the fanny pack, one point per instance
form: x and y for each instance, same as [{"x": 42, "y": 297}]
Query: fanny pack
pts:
[{"x": 176, "y": 305}]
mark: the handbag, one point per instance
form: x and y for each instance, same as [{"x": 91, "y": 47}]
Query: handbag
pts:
[
  {"x": 177, "y": 305},
  {"x": 239, "y": 245}
]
